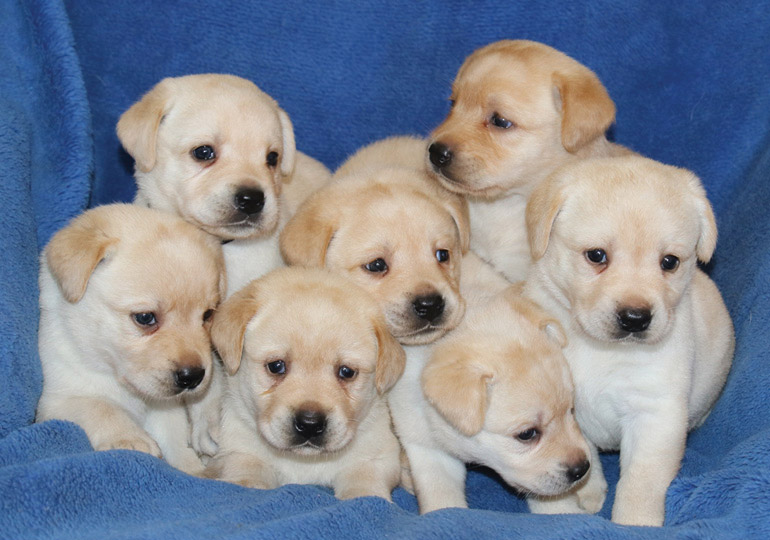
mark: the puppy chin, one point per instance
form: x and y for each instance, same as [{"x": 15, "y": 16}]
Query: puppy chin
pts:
[{"x": 248, "y": 227}]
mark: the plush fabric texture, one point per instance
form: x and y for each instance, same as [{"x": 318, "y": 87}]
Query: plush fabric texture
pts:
[{"x": 692, "y": 86}]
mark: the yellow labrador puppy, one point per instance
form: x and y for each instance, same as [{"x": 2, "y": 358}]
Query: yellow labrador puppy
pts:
[
  {"x": 220, "y": 153},
  {"x": 520, "y": 109},
  {"x": 616, "y": 242},
  {"x": 126, "y": 300},
  {"x": 385, "y": 224},
  {"x": 309, "y": 357}
]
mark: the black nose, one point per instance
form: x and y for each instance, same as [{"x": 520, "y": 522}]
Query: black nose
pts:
[
  {"x": 578, "y": 470},
  {"x": 250, "y": 201},
  {"x": 440, "y": 155},
  {"x": 188, "y": 378},
  {"x": 430, "y": 307},
  {"x": 634, "y": 320},
  {"x": 309, "y": 424}
]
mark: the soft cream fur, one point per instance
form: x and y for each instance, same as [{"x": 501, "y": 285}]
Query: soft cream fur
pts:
[
  {"x": 243, "y": 125},
  {"x": 315, "y": 322},
  {"x": 466, "y": 399},
  {"x": 382, "y": 205},
  {"x": 638, "y": 392},
  {"x": 559, "y": 112},
  {"x": 103, "y": 370}
]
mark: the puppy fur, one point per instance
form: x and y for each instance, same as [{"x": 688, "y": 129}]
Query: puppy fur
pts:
[
  {"x": 616, "y": 243},
  {"x": 126, "y": 299},
  {"x": 220, "y": 153},
  {"x": 495, "y": 391},
  {"x": 392, "y": 230},
  {"x": 520, "y": 110},
  {"x": 309, "y": 357}
]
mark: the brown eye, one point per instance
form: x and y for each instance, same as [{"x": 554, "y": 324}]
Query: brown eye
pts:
[
  {"x": 272, "y": 159},
  {"x": 204, "y": 153}
]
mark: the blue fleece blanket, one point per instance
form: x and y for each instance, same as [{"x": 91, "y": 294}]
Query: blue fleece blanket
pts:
[{"x": 692, "y": 86}]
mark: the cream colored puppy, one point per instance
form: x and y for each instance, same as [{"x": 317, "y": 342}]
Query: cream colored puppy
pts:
[
  {"x": 220, "y": 153},
  {"x": 520, "y": 110},
  {"x": 496, "y": 391},
  {"x": 383, "y": 223},
  {"x": 309, "y": 357},
  {"x": 126, "y": 299},
  {"x": 616, "y": 243}
]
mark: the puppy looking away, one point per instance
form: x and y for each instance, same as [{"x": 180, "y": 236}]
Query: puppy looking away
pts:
[
  {"x": 220, "y": 153},
  {"x": 520, "y": 110},
  {"x": 383, "y": 223},
  {"x": 616, "y": 243},
  {"x": 126, "y": 299},
  {"x": 309, "y": 357}
]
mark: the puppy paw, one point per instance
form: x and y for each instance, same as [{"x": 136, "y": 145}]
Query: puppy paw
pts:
[
  {"x": 592, "y": 501},
  {"x": 143, "y": 443},
  {"x": 203, "y": 438}
]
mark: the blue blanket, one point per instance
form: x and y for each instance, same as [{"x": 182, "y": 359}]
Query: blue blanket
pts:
[{"x": 692, "y": 85}]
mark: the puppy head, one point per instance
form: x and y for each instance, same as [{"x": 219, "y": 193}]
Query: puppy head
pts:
[
  {"x": 617, "y": 241},
  {"x": 519, "y": 108},
  {"x": 502, "y": 382},
  {"x": 212, "y": 149},
  {"x": 139, "y": 287},
  {"x": 309, "y": 352},
  {"x": 397, "y": 240}
]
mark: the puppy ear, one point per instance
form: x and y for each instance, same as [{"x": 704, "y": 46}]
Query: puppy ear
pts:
[
  {"x": 457, "y": 388},
  {"x": 536, "y": 314},
  {"x": 306, "y": 237},
  {"x": 587, "y": 110},
  {"x": 74, "y": 252},
  {"x": 458, "y": 208},
  {"x": 289, "y": 146},
  {"x": 391, "y": 358},
  {"x": 138, "y": 126},
  {"x": 229, "y": 327},
  {"x": 542, "y": 208},
  {"x": 707, "y": 241}
]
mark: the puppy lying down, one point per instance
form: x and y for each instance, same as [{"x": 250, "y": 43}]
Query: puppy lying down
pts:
[
  {"x": 126, "y": 299},
  {"x": 616, "y": 244},
  {"x": 309, "y": 357}
]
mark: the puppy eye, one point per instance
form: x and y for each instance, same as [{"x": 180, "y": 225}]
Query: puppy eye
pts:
[
  {"x": 377, "y": 266},
  {"x": 500, "y": 122},
  {"x": 276, "y": 367},
  {"x": 346, "y": 373},
  {"x": 272, "y": 159},
  {"x": 669, "y": 263},
  {"x": 442, "y": 255},
  {"x": 596, "y": 256},
  {"x": 145, "y": 319},
  {"x": 528, "y": 435},
  {"x": 207, "y": 315},
  {"x": 204, "y": 153}
]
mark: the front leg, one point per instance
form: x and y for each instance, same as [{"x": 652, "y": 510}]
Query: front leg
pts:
[
  {"x": 244, "y": 469},
  {"x": 651, "y": 452},
  {"x": 438, "y": 478}
]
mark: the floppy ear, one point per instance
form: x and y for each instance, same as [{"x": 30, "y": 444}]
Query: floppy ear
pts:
[
  {"x": 587, "y": 110},
  {"x": 457, "y": 389},
  {"x": 457, "y": 206},
  {"x": 229, "y": 327},
  {"x": 138, "y": 126},
  {"x": 306, "y": 237},
  {"x": 289, "y": 146},
  {"x": 707, "y": 241},
  {"x": 539, "y": 317},
  {"x": 74, "y": 252},
  {"x": 542, "y": 208},
  {"x": 391, "y": 358}
]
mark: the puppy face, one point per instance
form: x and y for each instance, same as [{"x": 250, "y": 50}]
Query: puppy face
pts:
[
  {"x": 140, "y": 288},
  {"x": 309, "y": 352},
  {"x": 502, "y": 382},
  {"x": 519, "y": 107},
  {"x": 619, "y": 241},
  {"x": 396, "y": 241},
  {"x": 212, "y": 149}
]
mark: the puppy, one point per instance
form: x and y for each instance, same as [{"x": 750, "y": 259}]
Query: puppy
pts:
[
  {"x": 309, "y": 356},
  {"x": 385, "y": 224},
  {"x": 520, "y": 110},
  {"x": 220, "y": 153},
  {"x": 495, "y": 391},
  {"x": 126, "y": 300},
  {"x": 616, "y": 243}
]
